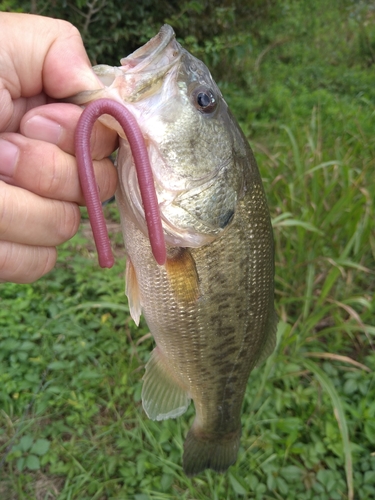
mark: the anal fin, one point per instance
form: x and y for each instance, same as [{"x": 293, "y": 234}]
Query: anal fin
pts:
[{"x": 162, "y": 394}]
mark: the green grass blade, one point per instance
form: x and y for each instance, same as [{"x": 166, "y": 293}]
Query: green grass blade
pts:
[
  {"x": 294, "y": 222},
  {"x": 295, "y": 148},
  {"x": 327, "y": 385}
]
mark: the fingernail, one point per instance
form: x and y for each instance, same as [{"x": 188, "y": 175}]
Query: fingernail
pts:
[
  {"x": 8, "y": 158},
  {"x": 43, "y": 129}
]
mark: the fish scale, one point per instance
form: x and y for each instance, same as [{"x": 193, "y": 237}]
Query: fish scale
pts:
[
  {"x": 210, "y": 308},
  {"x": 212, "y": 352}
]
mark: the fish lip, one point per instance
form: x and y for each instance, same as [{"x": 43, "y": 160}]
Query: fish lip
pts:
[
  {"x": 152, "y": 51},
  {"x": 142, "y": 72}
]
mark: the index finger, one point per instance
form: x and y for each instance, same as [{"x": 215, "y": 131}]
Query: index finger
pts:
[
  {"x": 43, "y": 122},
  {"x": 43, "y": 54}
]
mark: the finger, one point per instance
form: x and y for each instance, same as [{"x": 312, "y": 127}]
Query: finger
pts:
[
  {"x": 47, "y": 171},
  {"x": 25, "y": 264},
  {"x": 40, "y": 57},
  {"x": 56, "y": 123},
  {"x": 31, "y": 220},
  {"x": 39, "y": 53},
  {"x": 14, "y": 110}
]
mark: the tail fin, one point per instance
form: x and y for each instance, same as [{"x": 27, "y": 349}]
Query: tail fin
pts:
[{"x": 209, "y": 451}]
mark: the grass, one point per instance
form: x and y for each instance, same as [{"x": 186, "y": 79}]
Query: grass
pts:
[{"x": 71, "y": 359}]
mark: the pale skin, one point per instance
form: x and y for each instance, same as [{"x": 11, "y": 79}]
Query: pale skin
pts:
[{"x": 42, "y": 60}]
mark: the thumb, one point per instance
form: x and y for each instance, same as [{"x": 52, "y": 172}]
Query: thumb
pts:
[{"x": 40, "y": 54}]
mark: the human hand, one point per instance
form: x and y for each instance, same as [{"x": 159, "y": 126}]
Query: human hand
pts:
[{"x": 42, "y": 60}]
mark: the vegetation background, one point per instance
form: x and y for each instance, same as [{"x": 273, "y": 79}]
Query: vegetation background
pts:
[{"x": 299, "y": 76}]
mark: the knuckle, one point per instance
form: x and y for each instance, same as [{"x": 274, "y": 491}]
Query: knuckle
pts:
[
  {"x": 25, "y": 264},
  {"x": 106, "y": 178},
  {"x": 68, "y": 221},
  {"x": 48, "y": 260},
  {"x": 6, "y": 208},
  {"x": 50, "y": 174},
  {"x": 102, "y": 141},
  {"x": 67, "y": 28}
]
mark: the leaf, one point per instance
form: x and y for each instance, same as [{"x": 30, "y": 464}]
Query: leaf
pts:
[
  {"x": 59, "y": 365},
  {"x": 32, "y": 462},
  {"x": 370, "y": 431},
  {"x": 26, "y": 442},
  {"x": 291, "y": 473},
  {"x": 9, "y": 345},
  {"x": 282, "y": 486},
  {"x": 326, "y": 478},
  {"x": 369, "y": 476},
  {"x": 26, "y": 346},
  {"x": 350, "y": 386},
  {"x": 40, "y": 447},
  {"x": 238, "y": 484},
  {"x": 166, "y": 481},
  {"x": 21, "y": 464}
]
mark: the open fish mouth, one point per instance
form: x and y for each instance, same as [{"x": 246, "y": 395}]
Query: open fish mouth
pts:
[
  {"x": 145, "y": 69},
  {"x": 141, "y": 73},
  {"x": 156, "y": 52}
]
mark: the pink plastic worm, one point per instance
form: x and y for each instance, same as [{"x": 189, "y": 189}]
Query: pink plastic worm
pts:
[{"x": 144, "y": 174}]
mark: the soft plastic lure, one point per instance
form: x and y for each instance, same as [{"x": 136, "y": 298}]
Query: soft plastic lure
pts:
[{"x": 144, "y": 174}]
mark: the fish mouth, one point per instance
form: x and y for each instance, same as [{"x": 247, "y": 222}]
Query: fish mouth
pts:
[
  {"x": 146, "y": 68},
  {"x": 153, "y": 52},
  {"x": 155, "y": 58}
]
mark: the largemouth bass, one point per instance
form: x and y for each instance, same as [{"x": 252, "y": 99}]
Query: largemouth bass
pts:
[{"x": 210, "y": 308}]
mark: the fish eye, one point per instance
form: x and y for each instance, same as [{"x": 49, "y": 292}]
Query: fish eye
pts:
[{"x": 204, "y": 99}]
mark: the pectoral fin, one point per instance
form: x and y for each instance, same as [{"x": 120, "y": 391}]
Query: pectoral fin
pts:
[
  {"x": 132, "y": 292},
  {"x": 162, "y": 394},
  {"x": 183, "y": 277}
]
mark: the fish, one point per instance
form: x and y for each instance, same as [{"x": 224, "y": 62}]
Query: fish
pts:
[{"x": 210, "y": 307}]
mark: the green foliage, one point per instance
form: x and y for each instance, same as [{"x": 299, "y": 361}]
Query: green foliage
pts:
[
  {"x": 297, "y": 75},
  {"x": 28, "y": 451},
  {"x": 10, "y": 6},
  {"x": 111, "y": 29}
]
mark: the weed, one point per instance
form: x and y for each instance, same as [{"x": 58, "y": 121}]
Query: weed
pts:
[{"x": 71, "y": 359}]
